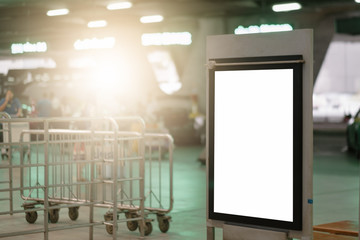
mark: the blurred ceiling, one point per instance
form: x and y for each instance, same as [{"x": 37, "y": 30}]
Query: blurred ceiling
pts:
[{"x": 26, "y": 20}]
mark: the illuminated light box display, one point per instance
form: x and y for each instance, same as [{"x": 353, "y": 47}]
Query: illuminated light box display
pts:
[{"x": 255, "y": 141}]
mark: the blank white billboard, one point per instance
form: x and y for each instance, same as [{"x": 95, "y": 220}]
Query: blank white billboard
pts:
[{"x": 253, "y": 143}]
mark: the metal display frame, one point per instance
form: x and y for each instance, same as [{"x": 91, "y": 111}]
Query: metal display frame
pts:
[{"x": 237, "y": 51}]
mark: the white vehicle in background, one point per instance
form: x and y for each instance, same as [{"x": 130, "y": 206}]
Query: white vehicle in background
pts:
[{"x": 334, "y": 107}]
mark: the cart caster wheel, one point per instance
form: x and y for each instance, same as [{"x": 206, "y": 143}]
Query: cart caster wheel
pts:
[
  {"x": 164, "y": 225},
  {"x": 148, "y": 228},
  {"x": 109, "y": 217},
  {"x": 132, "y": 225},
  {"x": 54, "y": 215},
  {"x": 73, "y": 213},
  {"x": 109, "y": 229},
  {"x": 31, "y": 217}
]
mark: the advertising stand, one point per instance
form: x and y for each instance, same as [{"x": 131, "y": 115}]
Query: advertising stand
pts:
[{"x": 259, "y": 135}]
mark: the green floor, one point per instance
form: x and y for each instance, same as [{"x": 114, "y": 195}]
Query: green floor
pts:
[
  {"x": 336, "y": 187},
  {"x": 336, "y": 179},
  {"x": 336, "y": 194}
]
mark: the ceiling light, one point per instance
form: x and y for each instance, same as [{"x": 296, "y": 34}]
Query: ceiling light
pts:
[
  {"x": 97, "y": 24},
  {"x": 286, "y": 7},
  {"x": 151, "y": 19},
  {"x": 119, "y": 5},
  {"x": 27, "y": 47},
  {"x": 57, "y": 12},
  {"x": 94, "y": 43},
  {"x": 263, "y": 28},
  {"x": 166, "y": 38},
  {"x": 357, "y": 1}
]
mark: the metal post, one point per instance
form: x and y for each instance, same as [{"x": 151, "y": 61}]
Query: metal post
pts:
[
  {"x": 171, "y": 149},
  {"x": 10, "y": 172},
  {"x": 142, "y": 178},
  {"x": 159, "y": 162},
  {"x": 46, "y": 180},
  {"x": 115, "y": 179},
  {"x": 150, "y": 175},
  {"x": 92, "y": 187}
]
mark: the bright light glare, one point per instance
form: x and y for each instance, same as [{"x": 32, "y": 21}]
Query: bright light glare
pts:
[
  {"x": 119, "y": 5},
  {"x": 165, "y": 71},
  {"x": 104, "y": 85},
  {"x": 106, "y": 78},
  {"x": 57, "y": 12},
  {"x": 82, "y": 62},
  {"x": 97, "y": 24},
  {"x": 151, "y": 19},
  {"x": 357, "y": 1},
  {"x": 166, "y": 38},
  {"x": 286, "y": 7},
  {"x": 263, "y": 28},
  {"x": 94, "y": 43},
  {"x": 17, "y": 48}
]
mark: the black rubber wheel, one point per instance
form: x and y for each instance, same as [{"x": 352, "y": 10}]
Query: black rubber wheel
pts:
[
  {"x": 54, "y": 215},
  {"x": 73, "y": 213},
  {"x": 164, "y": 225},
  {"x": 109, "y": 229},
  {"x": 132, "y": 225},
  {"x": 31, "y": 217},
  {"x": 148, "y": 228}
]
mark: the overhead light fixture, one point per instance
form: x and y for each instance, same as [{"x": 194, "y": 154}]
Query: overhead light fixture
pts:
[
  {"x": 95, "y": 43},
  {"x": 286, "y": 7},
  {"x": 151, "y": 19},
  {"x": 357, "y": 1},
  {"x": 166, "y": 38},
  {"x": 263, "y": 28},
  {"x": 18, "y": 48},
  {"x": 97, "y": 24},
  {"x": 57, "y": 12},
  {"x": 119, "y": 5}
]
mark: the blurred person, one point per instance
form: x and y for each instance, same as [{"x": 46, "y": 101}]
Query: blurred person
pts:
[
  {"x": 43, "y": 106},
  {"x": 66, "y": 107},
  {"x": 56, "y": 110},
  {"x": 11, "y": 104},
  {"x": 33, "y": 112}
]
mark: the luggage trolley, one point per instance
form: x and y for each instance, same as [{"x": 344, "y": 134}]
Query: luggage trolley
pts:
[
  {"x": 5, "y": 146},
  {"x": 10, "y": 130},
  {"x": 69, "y": 181},
  {"x": 12, "y": 165},
  {"x": 59, "y": 176},
  {"x": 159, "y": 177},
  {"x": 158, "y": 186},
  {"x": 105, "y": 148},
  {"x": 130, "y": 171}
]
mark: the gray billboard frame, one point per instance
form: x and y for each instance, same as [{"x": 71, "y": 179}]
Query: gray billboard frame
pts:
[{"x": 298, "y": 42}]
